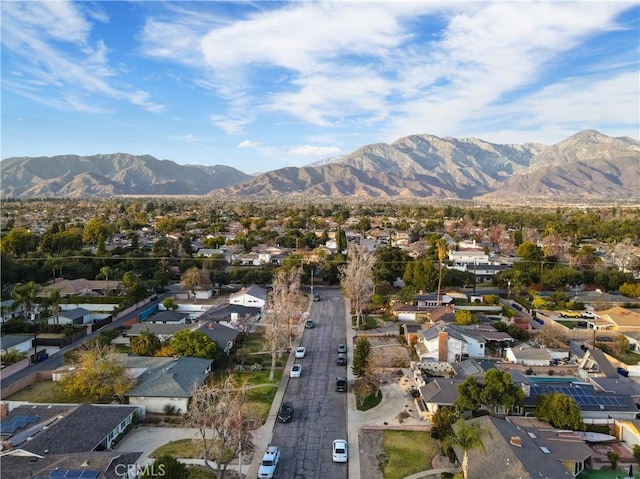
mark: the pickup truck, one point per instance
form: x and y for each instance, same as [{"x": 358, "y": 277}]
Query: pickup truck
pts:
[
  {"x": 269, "y": 462},
  {"x": 570, "y": 314}
]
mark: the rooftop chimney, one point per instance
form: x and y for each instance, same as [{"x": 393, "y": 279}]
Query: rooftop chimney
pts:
[
  {"x": 443, "y": 346},
  {"x": 515, "y": 441}
]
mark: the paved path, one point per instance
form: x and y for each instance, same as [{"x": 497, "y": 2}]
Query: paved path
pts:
[{"x": 146, "y": 439}]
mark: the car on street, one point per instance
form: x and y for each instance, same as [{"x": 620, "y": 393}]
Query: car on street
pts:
[
  {"x": 309, "y": 324},
  {"x": 570, "y": 314},
  {"x": 286, "y": 412},
  {"x": 269, "y": 462},
  {"x": 589, "y": 315},
  {"x": 342, "y": 348},
  {"x": 316, "y": 297},
  {"x": 342, "y": 359},
  {"x": 300, "y": 352},
  {"x": 340, "y": 451},
  {"x": 296, "y": 371},
  {"x": 341, "y": 384}
]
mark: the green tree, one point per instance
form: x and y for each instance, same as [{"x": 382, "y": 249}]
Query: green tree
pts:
[
  {"x": 441, "y": 246},
  {"x": 145, "y": 344},
  {"x": 97, "y": 375},
  {"x": 97, "y": 231},
  {"x": 18, "y": 242},
  {"x": 169, "y": 304},
  {"x": 390, "y": 263},
  {"x": 468, "y": 436},
  {"x": 469, "y": 394},
  {"x": 464, "y": 317},
  {"x": 421, "y": 274},
  {"x": 53, "y": 298},
  {"x": 636, "y": 453},
  {"x": 361, "y": 355},
  {"x": 194, "y": 344},
  {"x": 498, "y": 390},
  {"x": 191, "y": 279},
  {"x": 613, "y": 459},
  {"x": 168, "y": 467},
  {"x": 442, "y": 421},
  {"x": 25, "y": 295},
  {"x": 560, "y": 411}
]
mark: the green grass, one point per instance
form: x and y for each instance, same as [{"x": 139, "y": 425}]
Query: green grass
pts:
[
  {"x": 45, "y": 392},
  {"x": 407, "y": 452},
  {"x": 187, "y": 448},
  {"x": 368, "y": 395},
  {"x": 200, "y": 472},
  {"x": 259, "y": 400},
  {"x": 606, "y": 473},
  {"x": 628, "y": 357},
  {"x": 251, "y": 350}
]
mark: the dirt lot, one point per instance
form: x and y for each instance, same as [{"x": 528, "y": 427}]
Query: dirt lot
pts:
[{"x": 388, "y": 352}]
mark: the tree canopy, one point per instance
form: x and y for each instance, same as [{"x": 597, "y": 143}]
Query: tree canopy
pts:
[
  {"x": 194, "y": 344},
  {"x": 560, "y": 411}
]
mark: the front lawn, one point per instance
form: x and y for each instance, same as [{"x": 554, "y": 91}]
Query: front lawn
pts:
[
  {"x": 259, "y": 400},
  {"x": 406, "y": 453},
  {"x": 251, "y": 350},
  {"x": 186, "y": 448},
  {"x": 628, "y": 357},
  {"x": 367, "y": 394}
]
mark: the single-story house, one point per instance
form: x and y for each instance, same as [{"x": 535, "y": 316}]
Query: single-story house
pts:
[
  {"x": 165, "y": 382},
  {"x": 21, "y": 343},
  {"x": 254, "y": 296},
  {"x": 223, "y": 336},
  {"x": 439, "y": 392},
  {"x": 528, "y": 355},
  {"x": 72, "y": 316},
  {"x": 85, "y": 428},
  {"x": 524, "y": 452},
  {"x": 167, "y": 317}
]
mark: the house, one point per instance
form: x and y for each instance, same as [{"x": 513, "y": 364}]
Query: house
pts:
[
  {"x": 528, "y": 355},
  {"x": 594, "y": 405},
  {"x": 72, "y": 316},
  {"x": 236, "y": 316},
  {"x": 524, "y": 452},
  {"x": 453, "y": 342},
  {"x": 167, "y": 317},
  {"x": 81, "y": 286},
  {"x": 165, "y": 383},
  {"x": 439, "y": 392},
  {"x": 222, "y": 335},
  {"x": 164, "y": 331},
  {"x": 81, "y": 429},
  {"x": 431, "y": 300},
  {"x": 21, "y": 343},
  {"x": 7, "y": 310},
  {"x": 619, "y": 319},
  {"x": 254, "y": 296},
  {"x": 410, "y": 332}
]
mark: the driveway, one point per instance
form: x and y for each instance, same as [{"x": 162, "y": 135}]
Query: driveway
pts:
[{"x": 147, "y": 439}]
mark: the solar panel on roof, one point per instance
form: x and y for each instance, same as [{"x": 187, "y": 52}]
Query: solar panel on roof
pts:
[
  {"x": 8, "y": 428},
  {"x": 90, "y": 474},
  {"x": 58, "y": 474},
  {"x": 73, "y": 475}
]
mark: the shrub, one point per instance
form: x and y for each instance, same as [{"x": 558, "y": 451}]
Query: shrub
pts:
[
  {"x": 169, "y": 409},
  {"x": 529, "y": 372},
  {"x": 613, "y": 458}
]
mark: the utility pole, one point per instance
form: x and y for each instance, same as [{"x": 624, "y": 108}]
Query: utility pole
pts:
[{"x": 312, "y": 282}]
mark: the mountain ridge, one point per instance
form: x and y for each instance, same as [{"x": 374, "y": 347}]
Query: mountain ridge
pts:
[{"x": 587, "y": 164}]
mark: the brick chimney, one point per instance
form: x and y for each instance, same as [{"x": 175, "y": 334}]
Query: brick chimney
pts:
[{"x": 443, "y": 346}]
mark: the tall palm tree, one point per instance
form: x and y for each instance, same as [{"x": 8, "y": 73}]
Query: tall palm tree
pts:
[
  {"x": 53, "y": 298},
  {"x": 25, "y": 295},
  {"x": 441, "y": 244},
  {"x": 467, "y": 436}
]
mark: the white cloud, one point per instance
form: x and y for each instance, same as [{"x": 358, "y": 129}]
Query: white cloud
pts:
[
  {"x": 53, "y": 39},
  {"x": 249, "y": 144},
  {"x": 309, "y": 150}
]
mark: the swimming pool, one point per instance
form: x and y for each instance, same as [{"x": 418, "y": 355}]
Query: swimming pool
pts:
[{"x": 554, "y": 379}]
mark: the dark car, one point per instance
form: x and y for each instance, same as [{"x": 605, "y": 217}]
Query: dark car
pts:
[
  {"x": 286, "y": 412},
  {"x": 342, "y": 359},
  {"x": 309, "y": 324},
  {"x": 341, "y": 384}
]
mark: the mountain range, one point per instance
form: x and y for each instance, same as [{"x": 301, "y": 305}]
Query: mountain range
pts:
[{"x": 588, "y": 165}]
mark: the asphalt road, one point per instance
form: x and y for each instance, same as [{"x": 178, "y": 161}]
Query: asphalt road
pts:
[
  {"x": 56, "y": 360},
  {"x": 320, "y": 413}
]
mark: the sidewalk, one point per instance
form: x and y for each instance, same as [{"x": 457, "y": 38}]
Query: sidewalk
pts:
[{"x": 395, "y": 399}]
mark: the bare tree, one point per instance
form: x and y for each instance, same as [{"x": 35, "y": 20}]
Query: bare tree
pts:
[
  {"x": 194, "y": 278},
  {"x": 225, "y": 426},
  {"x": 283, "y": 312},
  {"x": 441, "y": 245},
  {"x": 551, "y": 336},
  {"x": 356, "y": 279},
  {"x": 243, "y": 323}
]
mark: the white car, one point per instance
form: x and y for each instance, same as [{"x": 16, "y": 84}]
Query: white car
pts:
[
  {"x": 589, "y": 315},
  {"x": 269, "y": 462},
  {"x": 340, "y": 451},
  {"x": 296, "y": 371},
  {"x": 301, "y": 351}
]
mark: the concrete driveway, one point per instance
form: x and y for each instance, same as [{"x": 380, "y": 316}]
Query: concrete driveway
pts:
[{"x": 147, "y": 439}]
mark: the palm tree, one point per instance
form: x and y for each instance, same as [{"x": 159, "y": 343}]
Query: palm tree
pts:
[
  {"x": 25, "y": 295},
  {"x": 468, "y": 436},
  {"x": 53, "y": 298},
  {"x": 441, "y": 244}
]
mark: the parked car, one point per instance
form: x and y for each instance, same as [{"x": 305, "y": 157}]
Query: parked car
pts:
[
  {"x": 342, "y": 348},
  {"x": 286, "y": 412},
  {"x": 341, "y": 384},
  {"x": 296, "y": 371},
  {"x": 309, "y": 324},
  {"x": 570, "y": 314},
  {"x": 300, "y": 352},
  {"x": 340, "y": 451},
  {"x": 623, "y": 372},
  {"x": 589, "y": 315},
  {"x": 269, "y": 462},
  {"x": 342, "y": 359},
  {"x": 316, "y": 297}
]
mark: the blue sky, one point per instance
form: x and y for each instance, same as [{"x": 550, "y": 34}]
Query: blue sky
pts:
[{"x": 262, "y": 85}]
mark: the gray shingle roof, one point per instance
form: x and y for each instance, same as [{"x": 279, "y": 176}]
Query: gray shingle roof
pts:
[
  {"x": 168, "y": 377},
  {"x": 441, "y": 391},
  {"x": 499, "y": 459},
  {"x": 82, "y": 430},
  {"x": 10, "y": 340}
]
